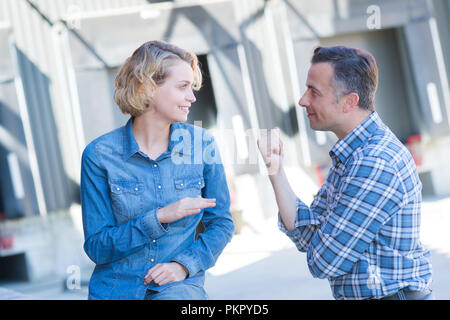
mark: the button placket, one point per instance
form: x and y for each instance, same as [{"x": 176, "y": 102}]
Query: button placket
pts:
[
  {"x": 157, "y": 182},
  {"x": 153, "y": 248}
]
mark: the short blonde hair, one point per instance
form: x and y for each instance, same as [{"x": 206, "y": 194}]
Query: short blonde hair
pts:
[{"x": 149, "y": 66}]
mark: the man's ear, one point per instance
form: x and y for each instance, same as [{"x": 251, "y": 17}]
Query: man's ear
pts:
[{"x": 351, "y": 101}]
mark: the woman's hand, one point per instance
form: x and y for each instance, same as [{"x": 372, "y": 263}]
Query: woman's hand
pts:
[
  {"x": 164, "y": 273},
  {"x": 183, "y": 208}
]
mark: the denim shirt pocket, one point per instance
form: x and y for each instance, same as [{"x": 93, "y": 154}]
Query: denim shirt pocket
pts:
[
  {"x": 189, "y": 186},
  {"x": 126, "y": 199}
]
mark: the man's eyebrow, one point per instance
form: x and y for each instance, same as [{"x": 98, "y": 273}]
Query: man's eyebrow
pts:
[
  {"x": 187, "y": 81},
  {"x": 310, "y": 86}
]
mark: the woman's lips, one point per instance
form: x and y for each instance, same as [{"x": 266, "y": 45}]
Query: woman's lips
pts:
[{"x": 184, "y": 109}]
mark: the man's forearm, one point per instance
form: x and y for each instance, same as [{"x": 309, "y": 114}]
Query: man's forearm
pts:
[{"x": 285, "y": 197}]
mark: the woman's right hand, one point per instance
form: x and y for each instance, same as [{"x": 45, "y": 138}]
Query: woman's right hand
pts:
[{"x": 183, "y": 208}]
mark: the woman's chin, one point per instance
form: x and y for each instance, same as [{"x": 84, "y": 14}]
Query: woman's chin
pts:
[{"x": 180, "y": 119}]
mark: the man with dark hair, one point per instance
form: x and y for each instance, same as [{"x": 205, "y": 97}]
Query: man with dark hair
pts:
[
  {"x": 362, "y": 229},
  {"x": 355, "y": 70}
]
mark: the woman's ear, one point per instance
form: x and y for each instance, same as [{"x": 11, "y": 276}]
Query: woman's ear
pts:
[
  {"x": 148, "y": 92},
  {"x": 351, "y": 101}
]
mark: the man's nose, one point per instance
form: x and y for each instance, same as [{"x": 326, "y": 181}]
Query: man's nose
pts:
[{"x": 303, "y": 102}]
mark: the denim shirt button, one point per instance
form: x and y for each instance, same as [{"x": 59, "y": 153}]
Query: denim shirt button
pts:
[
  {"x": 154, "y": 241},
  {"x": 159, "y": 186},
  {"x": 152, "y": 260},
  {"x": 155, "y": 165}
]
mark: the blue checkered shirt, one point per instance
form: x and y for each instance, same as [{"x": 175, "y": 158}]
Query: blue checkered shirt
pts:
[{"x": 362, "y": 229}]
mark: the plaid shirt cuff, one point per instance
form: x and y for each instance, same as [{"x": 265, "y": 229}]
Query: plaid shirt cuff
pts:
[{"x": 305, "y": 217}]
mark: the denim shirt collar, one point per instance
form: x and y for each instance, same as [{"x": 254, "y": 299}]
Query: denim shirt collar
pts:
[
  {"x": 357, "y": 137},
  {"x": 130, "y": 145}
]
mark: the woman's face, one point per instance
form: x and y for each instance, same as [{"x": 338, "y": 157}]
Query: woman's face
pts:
[{"x": 173, "y": 98}]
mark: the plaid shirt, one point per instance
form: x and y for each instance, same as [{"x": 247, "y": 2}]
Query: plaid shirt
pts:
[{"x": 362, "y": 229}]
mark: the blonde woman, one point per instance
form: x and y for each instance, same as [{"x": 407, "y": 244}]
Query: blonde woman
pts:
[{"x": 147, "y": 185}]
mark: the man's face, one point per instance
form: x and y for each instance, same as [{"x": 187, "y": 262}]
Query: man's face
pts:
[{"x": 324, "y": 112}]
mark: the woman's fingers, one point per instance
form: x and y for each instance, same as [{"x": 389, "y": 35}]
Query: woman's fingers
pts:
[
  {"x": 199, "y": 203},
  {"x": 156, "y": 274},
  {"x": 184, "y": 207},
  {"x": 163, "y": 273},
  {"x": 193, "y": 211},
  {"x": 149, "y": 276},
  {"x": 162, "y": 279}
]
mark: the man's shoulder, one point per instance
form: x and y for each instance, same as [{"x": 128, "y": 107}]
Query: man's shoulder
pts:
[{"x": 384, "y": 145}]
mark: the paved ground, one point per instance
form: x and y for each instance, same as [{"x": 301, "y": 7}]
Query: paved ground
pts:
[{"x": 264, "y": 264}]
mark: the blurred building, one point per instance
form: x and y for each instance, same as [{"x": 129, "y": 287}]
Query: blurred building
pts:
[{"x": 58, "y": 60}]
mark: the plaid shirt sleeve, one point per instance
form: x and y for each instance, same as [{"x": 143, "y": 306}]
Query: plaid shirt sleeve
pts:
[
  {"x": 307, "y": 220},
  {"x": 367, "y": 196}
]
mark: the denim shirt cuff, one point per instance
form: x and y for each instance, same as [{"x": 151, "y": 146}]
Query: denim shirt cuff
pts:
[
  {"x": 151, "y": 225},
  {"x": 189, "y": 262}
]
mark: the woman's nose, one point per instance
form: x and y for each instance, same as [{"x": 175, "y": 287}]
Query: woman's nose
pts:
[{"x": 191, "y": 97}]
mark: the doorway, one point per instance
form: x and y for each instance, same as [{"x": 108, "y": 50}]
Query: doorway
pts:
[{"x": 204, "y": 110}]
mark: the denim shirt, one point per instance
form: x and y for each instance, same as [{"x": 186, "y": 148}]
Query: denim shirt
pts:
[{"x": 121, "y": 191}]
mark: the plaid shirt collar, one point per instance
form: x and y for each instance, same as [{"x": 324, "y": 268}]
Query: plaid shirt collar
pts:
[{"x": 357, "y": 137}]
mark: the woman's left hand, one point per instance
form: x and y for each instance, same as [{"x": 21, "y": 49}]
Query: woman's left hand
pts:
[{"x": 164, "y": 273}]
